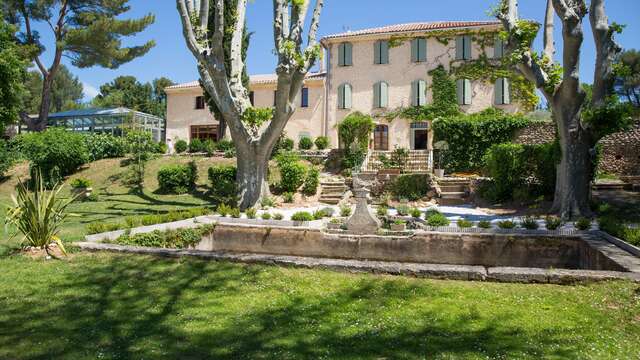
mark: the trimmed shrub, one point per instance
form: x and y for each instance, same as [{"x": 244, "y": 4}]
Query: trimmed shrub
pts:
[
  {"x": 266, "y": 216},
  {"x": 225, "y": 145},
  {"x": 345, "y": 211},
  {"x": 306, "y": 143},
  {"x": 181, "y": 146},
  {"x": 235, "y": 213},
  {"x": 506, "y": 224},
  {"x": 504, "y": 165},
  {"x": 170, "y": 239},
  {"x": 464, "y": 223},
  {"x": 196, "y": 146},
  {"x": 292, "y": 172},
  {"x": 278, "y": 216},
  {"x": 55, "y": 152},
  {"x": 552, "y": 222},
  {"x": 223, "y": 184},
  {"x": 437, "y": 219},
  {"x": 583, "y": 224},
  {"x": 302, "y": 216},
  {"x": 267, "y": 202},
  {"x": 161, "y": 148},
  {"x": 416, "y": 213},
  {"x": 529, "y": 223},
  {"x": 80, "y": 183},
  {"x": 403, "y": 209},
  {"x": 209, "y": 147},
  {"x": 152, "y": 219},
  {"x": 411, "y": 187},
  {"x": 382, "y": 211},
  {"x": 484, "y": 224},
  {"x": 5, "y": 158},
  {"x": 311, "y": 182},
  {"x": 288, "y": 197},
  {"x": 224, "y": 210},
  {"x": 100, "y": 227},
  {"x": 105, "y": 146},
  {"x": 178, "y": 179},
  {"x": 251, "y": 213},
  {"x": 322, "y": 142}
]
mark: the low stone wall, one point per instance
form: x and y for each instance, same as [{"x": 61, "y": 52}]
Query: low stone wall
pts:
[
  {"x": 620, "y": 151},
  {"x": 506, "y": 250}
]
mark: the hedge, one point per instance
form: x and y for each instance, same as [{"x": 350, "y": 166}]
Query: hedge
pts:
[
  {"x": 411, "y": 187},
  {"x": 5, "y": 158},
  {"x": 105, "y": 146},
  {"x": 470, "y": 136},
  {"x": 223, "y": 184},
  {"x": 178, "y": 179}
]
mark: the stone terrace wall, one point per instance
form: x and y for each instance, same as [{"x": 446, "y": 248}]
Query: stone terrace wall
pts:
[{"x": 620, "y": 151}]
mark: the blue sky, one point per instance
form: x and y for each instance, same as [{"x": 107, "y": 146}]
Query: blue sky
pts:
[{"x": 170, "y": 57}]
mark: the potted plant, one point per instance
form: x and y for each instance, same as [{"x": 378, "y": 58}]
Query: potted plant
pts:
[
  {"x": 81, "y": 188},
  {"x": 442, "y": 147},
  {"x": 398, "y": 225}
]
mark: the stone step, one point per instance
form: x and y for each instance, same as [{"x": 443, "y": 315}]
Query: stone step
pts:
[
  {"x": 453, "y": 188},
  {"x": 451, "y": 202},
  {"x": 610, "y": 186},
  {"x": 453, "y": 195}
]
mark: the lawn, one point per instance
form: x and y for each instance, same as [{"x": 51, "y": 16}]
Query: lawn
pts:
[
  {"x": 121, "y": 306},
  {"x": 116, "y": 200}
]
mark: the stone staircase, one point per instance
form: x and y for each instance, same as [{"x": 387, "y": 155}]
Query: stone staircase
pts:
[
  {"x": 333, "y": 191},
  {"x": 417, "y": 161},
  {"x": 453, "y": 191}
]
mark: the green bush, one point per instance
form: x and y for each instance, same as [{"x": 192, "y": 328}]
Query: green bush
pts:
[
  {"x": 470, "y": 136},
  {"x": 302, "y": 216},
  {"x": 196, "y": 146},
  {"x": 145, "y": 220},
  {"x": 170, "y": 239},
  {"x": 632, "y": 236},
  {"x": 235, "y": 213},
  {"x": 311, "y": 182},
  {"x": 288, "y": 197},
  {"x": 382, "y": 211},
  {"x": 504, "y": 165},
  {"x": 292, "y": 172},
  {"x": 105, "y": 146},
  {"x": 412, "y": 187},
  {"x": 322, "y": 142},
  {"x": 552, "y": 222},
  {"x": 278, "y": 216},
  {"x": 416, "y": 213},
  {"x": 251, "y": 213},
  {"x": 354, "y": 133},
  {"x": 181, "y": 146},
  {"x": 225, "y": 145},
  {"x": 305, "y": 143},
  {"x": 100, "y": 227},
  {"x": 5, "y": 158},
  {"x": 267, "y": 202},
  {"x": 345, "y": 210},
  {"x": 464, "y": 223},
  {"x": 437, "y": 219},
  {"x": 209, "y": 147},
  {"x": 529, "y": 223},
  {"x": 229, "y": 154},
  {"x": 224, "y": 210},
  {"x": 403, "y": 209},
  {"x": 583, "y": 224},
  {"x": 223, "y": 184},
  {"x": 506, "y": 224},
  {"x": 484, "y": 224},
  {"x": 178, "y": 179},
  {"x": 55, "y": 152},
  {"x": 80, "y": 183},
  {"x": 266, "y": 216}
]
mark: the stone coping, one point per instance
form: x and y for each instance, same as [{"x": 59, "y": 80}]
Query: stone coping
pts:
[
  {"x": 620, "y": 243},
  {"x": 431, "y": 271}
]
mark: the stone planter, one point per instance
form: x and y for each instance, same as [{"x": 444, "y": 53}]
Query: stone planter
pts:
[
  {"x": 439, "y": 172},
  {"x": 82, "y": 193},
  {"x": 398, "y": 227},
  {"x": 334, "y": 226}
]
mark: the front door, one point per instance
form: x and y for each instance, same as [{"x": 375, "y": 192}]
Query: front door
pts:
[{"x": 420, "y": 138}]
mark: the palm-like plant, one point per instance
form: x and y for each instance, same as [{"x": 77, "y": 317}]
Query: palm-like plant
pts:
[{"x": 38, "y": 214}]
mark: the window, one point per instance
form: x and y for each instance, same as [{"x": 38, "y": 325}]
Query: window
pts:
[
  {"x": 344, "y": 96},
  {"x": 381, "y": 137},
  {"x": 381, "y": 52},
  {"x": 252, "y": 98},
  {"x": 199, "y": 102},
  {"x": 204, "y": 132},
  {"x": 498, "y": 48},
  {"x": 304, "y": 97},
  {"x": 463, "y": 90},
  {"x": 419, "y": 50},
  {"x": 344, "y": 54},
  {"x": 502, "y": 92},
  {"x": 419, "y": 93},
  {"x": 463, "y": 47},
  {"x": 381, "y": 95}
]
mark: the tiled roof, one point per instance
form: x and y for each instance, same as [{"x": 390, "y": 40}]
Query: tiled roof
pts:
[
  {"x": 412, "y": 27},
  {"x": 255, "y": 79}
]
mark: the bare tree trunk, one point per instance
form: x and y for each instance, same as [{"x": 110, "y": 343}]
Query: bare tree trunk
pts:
[
  {"x": 252, "y": 177},
  {"x": 45, "y": 104}
]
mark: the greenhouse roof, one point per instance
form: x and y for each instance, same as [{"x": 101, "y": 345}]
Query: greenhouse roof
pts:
[{"x": 97, "y": 112}]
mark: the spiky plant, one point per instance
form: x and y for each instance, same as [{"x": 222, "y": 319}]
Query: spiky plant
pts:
[{"x": 38, "y": 214}]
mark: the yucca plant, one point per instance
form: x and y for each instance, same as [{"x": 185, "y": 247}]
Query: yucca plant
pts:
[{"x": 38, "y": 214}]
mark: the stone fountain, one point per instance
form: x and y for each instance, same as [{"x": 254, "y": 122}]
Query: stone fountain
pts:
[{"x": 362, "y": 221}]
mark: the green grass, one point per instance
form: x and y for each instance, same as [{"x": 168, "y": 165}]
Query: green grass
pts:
[
  {"x": 121, "y": 306},
  {"x": 116, "y": 201}
]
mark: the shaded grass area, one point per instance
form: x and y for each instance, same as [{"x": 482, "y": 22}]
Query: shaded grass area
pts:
[
  {"x": 115, "y": 200},
  {"x": 121, "y": 306}
]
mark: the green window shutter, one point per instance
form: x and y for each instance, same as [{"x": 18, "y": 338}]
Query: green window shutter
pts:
[
  {"x": 376, "y": 52},
  {"x": 341, "y": 54},
  {"x": 341, "y": 98},
  {"x": 414, "y": 50},
  {"x": 414, "y": 93},
  {"x": 459, "y": 47},
  {"x": 384, "y": 95},
  {"x": 467, "y": 47},
  {"x": 506, "y": 91},
  {"x": 460, "y": 91},
  {"x": 384, "y": 52},
  {"x": 498, "y": 48},
  {"x": 347, "y": 96},
  {"x": 376, "y": 95},
  {"x": 467, "y": 92},
  {"x": 348, "y": 60},
  {"x": 499, "y": 93},
  {"x": 422, "y": 93},
  {"x": 422, "y": 49}
]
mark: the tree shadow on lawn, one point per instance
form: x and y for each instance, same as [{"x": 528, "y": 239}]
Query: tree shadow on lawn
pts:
[{"x": 141, "y": 307}]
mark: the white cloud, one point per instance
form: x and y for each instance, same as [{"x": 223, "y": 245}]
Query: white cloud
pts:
[{"x": 89, "y": 91}]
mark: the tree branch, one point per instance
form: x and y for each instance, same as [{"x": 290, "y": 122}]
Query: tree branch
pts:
[
  {"x": 204, "y": 15},
  {"x": 237, "y": 65},
  {"x": 571, "y": 15},
  {"x": 607, "y": 51},
  {"x": 187, "y": 28},
  {"x": 30, "y": 39},
  {"x": 549, "y": 44},
  {"x": 297, "y": 20},
  {"x": 279, "y": 9}
]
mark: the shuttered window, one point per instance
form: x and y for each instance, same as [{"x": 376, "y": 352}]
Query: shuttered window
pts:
[
  {"x": 200, "y": 102},
  {"x": 381, "y": 52},
  {"x": 463, "y": 47},
  {"x": 344, "y": 96},
  {"x": 419, "y": 93},
  {"x": 463, "y": 90},
  {"x": 381, "y": 95},
  {"x": 419, "y": 50},
  {"x": 502, "y": 92},
  {"x": 345, "y": 51},
  {"x": 498, "y": 48}
]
